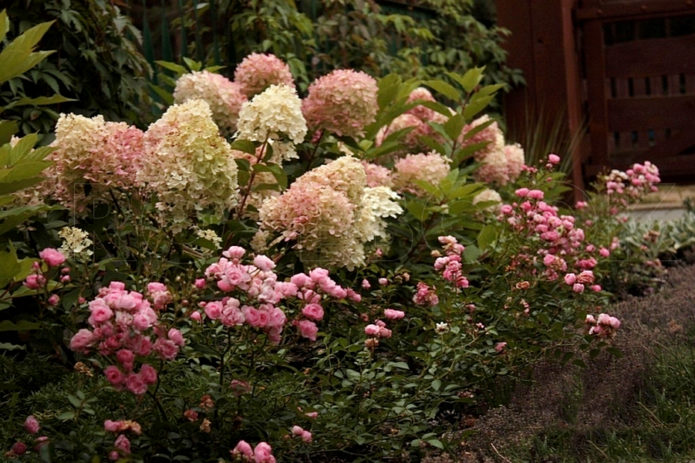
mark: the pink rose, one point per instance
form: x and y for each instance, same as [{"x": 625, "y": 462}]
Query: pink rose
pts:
[
  {"x": 148, "y": 374},
  {"x": 213, "y": 309},
  {"x": 125, "y": 357},
  {"x": 19, "y": 448},
  {"x": 82, "y": 340},
  {"x": 276, "y": 318},
  {"x": 578, "y": 288},
  {"x": 263, "y": 453},
  {"x": 536, "y": 194},
  {"x": 393, "y": 314},
  {"x": 199, "y": 283},
  {"x": 195, "y": 316},
  {"x": 522, "y": 192},
  {"x": 113, "y": 375},
  {"x": 553, "y": 158},
  {"x": 603, "y": 252},
  {"x": 34, "y": 281},
  {"x": 112, "y": 426},
  {"x": 312, "y": 415},
  {"x": 122, "y": 443},
  {"x": 252, "y": 316},
  {"x": 31, "y": 425},
  {"x": 176, "y": 336},
  {"x": 365, "y": 284},
  {"x": 306, "y": 436},
  {"x": 313, "y": 312},
  {"x": 166, "y": 348},
  {"x": 499, "y": 347},
  {"x": 297, "y": 430},
  {"x": 234, "y": 252},
  {"x": 135, "y": 384},
  {"x": 263, "y": 263},
  {"x": 53, "y": 300},
  {"x": 570, "y": 278},
  {"x": 371, "y": 330},
  {"x": 242, "y": 448},
  {"x": 52, "y": 257},
  {"x": 308, "y": 329}
]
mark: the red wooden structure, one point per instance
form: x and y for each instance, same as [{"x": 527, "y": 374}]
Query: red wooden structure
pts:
[{"x": 627, "y": 67}]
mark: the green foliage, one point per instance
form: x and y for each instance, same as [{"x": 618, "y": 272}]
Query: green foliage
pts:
[
  {"x": 315, "y": 37},
  {"x": 98, "y": 64}
]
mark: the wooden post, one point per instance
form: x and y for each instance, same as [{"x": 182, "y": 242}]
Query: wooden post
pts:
[{"x": 543, "y": 46}]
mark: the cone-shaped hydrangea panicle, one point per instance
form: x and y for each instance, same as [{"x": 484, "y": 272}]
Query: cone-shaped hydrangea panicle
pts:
[
  {"x": 222, "y": 95},
  {"x": 274, "y": 116},
  {"x": 188, "y": 165},
  {"x": 430, "y": 167},
  {"x": 331, "y": 214},
  {"x": 259, "y": 71},
  {"x": 105, "y": 155},
  {"x": 342, "y": 102}
]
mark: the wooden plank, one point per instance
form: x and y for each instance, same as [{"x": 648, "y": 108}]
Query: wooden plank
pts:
[
  {"x": 653, "y": 112},
  {"x": 596, "y": 76},
  {"x": 652, "y": 57},
  {"x": 632, "y": 9}
]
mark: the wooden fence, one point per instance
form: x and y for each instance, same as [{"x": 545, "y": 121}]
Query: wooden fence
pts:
[{"x": 627, "y": 67}]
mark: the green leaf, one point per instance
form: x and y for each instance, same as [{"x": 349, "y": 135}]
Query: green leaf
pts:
[
  {"x": 18, "y": 57},
  {"x": 418, "y": 210},
  {"x": 4, "y": 24},
  {"x": 487, "y": 236},
  {"x": 274, "y": 169},
  {"x": 166, "y": 96},
  {"x": 9, "y": 267},
  {"x": 470, "y": 79},
  {"x": 22, "y": 325},
  {"x": 10, "y": 346},
  {"x": 39, "y": 101},
  {"x": 436, "y": 384},
  {"x": 65, "y": 416},
  {"x": 475, "y": 105},
  {"x": 444, "y": 88},
  {"x": 176, "y": 68},
  {"x": 388, "y": 89},
  {"x": 453, "y": 126},
  {"x": 7, "y": 129},
  {"x": 245, "y": 146},
  {"x": 435, "y": 443}
]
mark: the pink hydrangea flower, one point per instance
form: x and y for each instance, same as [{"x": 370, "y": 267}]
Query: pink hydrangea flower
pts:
[
  {"x": 342, "y": 102},
  {"x": 258, "y": 71}
]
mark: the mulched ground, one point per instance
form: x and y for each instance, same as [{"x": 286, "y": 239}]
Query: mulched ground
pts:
[{"x": 607, "y": 386}]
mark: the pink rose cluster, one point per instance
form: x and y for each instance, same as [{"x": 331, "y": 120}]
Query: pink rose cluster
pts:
[
  {"x": 562, "y": 244},
  {"x": 262, "y": 453},
  {"x": 375, "y": 331},
  {"x": 450, "y": 265},
  {"x": 310, "y": 291},
  {"x": 122, "y": 443},
  {"x": 305, "y": 435},
  {"x": 628, "y": 187},
  {"x": 425, "y": 295},
  {"x": 342, "y": 102},
  {"x": 605, "y": 326},
  {"x": 258, "y": 292},
  {"x": 123, "y": 328},
  {"x": 37, "y": 278}
]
